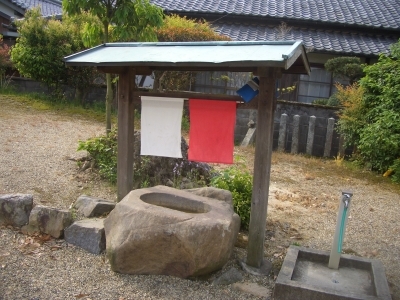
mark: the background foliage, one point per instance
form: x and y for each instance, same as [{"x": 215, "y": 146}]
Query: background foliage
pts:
[
  {"x": 181, "y": 29},
  {"x": 370, "y": 119},
  {"x": 41, "y": 46},
  {"x": 121, "y": 20}
]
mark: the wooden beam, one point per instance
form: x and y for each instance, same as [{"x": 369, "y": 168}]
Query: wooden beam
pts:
[
  {"x": 214, "y": 68},
  {"x": 190, "y": 95},
  {"x": 126, "y": 85},
  {"x": 262, "y": 167},
  {"x": 121, "y": 69}
]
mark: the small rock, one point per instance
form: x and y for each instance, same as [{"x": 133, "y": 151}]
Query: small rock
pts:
[
  {"x": 15, "y": 209},
  {"x": 231, "y": 276},
  {"x": 241, "y": 241}
]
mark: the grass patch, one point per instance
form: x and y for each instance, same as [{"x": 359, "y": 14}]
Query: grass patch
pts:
[
  {"x": 44, "y": 102},
  {"x": 313, "y": 167}
]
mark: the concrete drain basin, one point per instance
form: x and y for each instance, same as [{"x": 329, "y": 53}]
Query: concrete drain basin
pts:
[{"x": 305, "y": 275}]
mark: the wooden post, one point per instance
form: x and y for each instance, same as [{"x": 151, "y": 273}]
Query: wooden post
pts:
[
  {"x": 126, "y": 85},
  {"x": 262, "y": 167}
]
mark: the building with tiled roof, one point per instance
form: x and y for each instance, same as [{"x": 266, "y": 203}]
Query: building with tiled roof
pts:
[
  {"x": 10, "y": 9},
  {"x": 328, "y": 28}
]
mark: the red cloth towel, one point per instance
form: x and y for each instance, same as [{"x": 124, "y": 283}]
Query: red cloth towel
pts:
[{"x": 211, "y": 135}]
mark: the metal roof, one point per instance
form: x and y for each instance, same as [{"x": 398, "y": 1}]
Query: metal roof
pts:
[{"x": 196, "y": 55}]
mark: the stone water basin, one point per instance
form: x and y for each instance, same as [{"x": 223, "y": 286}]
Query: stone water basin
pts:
[{"x": 166, "y": 231}]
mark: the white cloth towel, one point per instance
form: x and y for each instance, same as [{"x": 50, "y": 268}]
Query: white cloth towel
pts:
[{"x": 161, "y": 126}]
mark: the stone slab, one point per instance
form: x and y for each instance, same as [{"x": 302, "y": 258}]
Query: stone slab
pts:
[
  {"x": 305, "y": 275},
  {"x": 87, "y": 234}
]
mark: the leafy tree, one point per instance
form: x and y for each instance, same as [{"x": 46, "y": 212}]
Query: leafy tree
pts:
[
  {"x": 181, "y": 29},
  {"x": 40, "y": 48},
  {"x": 345, "y": 67},
  {"x": 371, "y": 119},
  {"x": 127, "y": 20}
]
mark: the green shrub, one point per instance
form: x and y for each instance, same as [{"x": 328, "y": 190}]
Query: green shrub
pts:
[
  {"x": 185, "y": 123},
  {"x": 370, "y": 117},
  {"x": 333, "y": 100},
  {"x": 320, "y": 101},
  {"x": 345, "y": 67},
  {"x": 379, "y": 141},
  {"x": 148, "y": 170},
  {"x": 240, "y": 184},
  {"x": 103, "y": 150},
  {"x": 396, "y": 171}
]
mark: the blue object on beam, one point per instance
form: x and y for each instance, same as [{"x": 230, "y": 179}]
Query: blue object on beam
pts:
[{"x": 249, "y": 90}]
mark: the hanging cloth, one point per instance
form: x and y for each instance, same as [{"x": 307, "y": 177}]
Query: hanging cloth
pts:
[
  {"x": 211, "y": 135},
  {"x": 161, "y": 126}
]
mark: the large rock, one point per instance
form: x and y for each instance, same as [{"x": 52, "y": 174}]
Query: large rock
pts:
[
  {"x": 162, "y": 230},
  {"x": 87, "y": 234},
  {"x": 15, "y": 209},
  {"x": 92, "y": 206},
  {"x": 48, "y": 220}
]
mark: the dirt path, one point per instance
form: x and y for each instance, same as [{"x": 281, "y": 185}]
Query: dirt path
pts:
[{"x": 38, "y": 147}]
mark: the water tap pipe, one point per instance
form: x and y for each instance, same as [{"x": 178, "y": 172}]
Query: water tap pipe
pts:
[{"x": 344, "y": 206}]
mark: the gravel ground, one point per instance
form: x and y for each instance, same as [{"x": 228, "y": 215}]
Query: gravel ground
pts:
[{"x": 38, "y": 149}]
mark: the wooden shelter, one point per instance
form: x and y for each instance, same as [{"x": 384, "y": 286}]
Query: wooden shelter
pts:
[{"x": 267, "y": 60}]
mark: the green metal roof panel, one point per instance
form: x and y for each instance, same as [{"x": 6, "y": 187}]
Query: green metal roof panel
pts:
[{"x": 199, "y": 54}]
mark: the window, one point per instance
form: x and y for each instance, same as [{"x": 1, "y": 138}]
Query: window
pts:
[{"x": 318, "y": 85}]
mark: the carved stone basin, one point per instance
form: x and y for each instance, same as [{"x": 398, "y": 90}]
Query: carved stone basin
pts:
[{"x": 162, "y": 230}]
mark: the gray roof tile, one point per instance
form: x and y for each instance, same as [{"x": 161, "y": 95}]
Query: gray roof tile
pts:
[
  {"x": 370, "y": 13},
  {"x": 319, "y": 40},
  {"x": 48, "y": 7}
]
